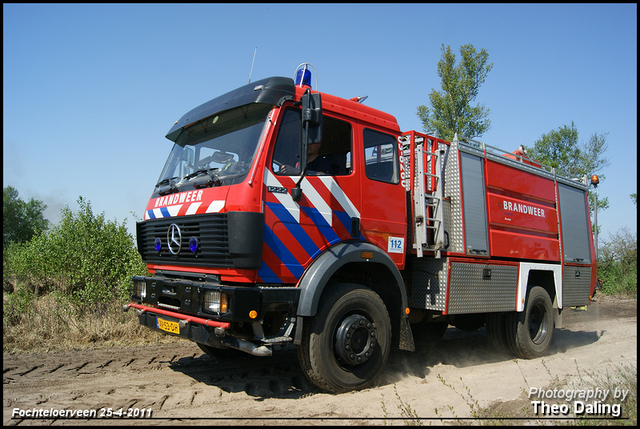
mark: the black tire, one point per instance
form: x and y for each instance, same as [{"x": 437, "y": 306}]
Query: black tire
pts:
[
  {"x": 496, "y": 333},
  {"x": 529, "y": 333},
  {"x": 219, "y": 353},
  {"x": 347, "y": 344}
]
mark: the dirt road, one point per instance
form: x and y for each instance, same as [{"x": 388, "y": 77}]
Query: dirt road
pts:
[{"x": 177, "y": 384}]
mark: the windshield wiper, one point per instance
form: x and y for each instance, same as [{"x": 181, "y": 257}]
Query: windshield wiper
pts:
[
  {"x": 213, "y": 177},
  {"x": 167, "y": 186},
  {"x": 209, "y": 171},
  {"x": 165, "y": 181}
]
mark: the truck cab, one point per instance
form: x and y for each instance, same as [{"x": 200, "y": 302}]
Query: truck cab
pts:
[{"x": 244, "y": 240}]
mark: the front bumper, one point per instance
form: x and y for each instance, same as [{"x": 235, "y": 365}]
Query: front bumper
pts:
[
  {"x": 186, "y": 296},
  {"x": 176, "y": 306},
  {"x": 196, "y": 329}
]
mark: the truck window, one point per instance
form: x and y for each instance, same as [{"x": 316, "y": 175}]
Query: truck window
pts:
[
  {"x": 335, "y": 148},
  {"x": 381, "y": 156},
  {"x": 220, "y": 147}
]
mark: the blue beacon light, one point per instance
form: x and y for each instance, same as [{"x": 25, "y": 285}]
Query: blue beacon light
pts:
[
  {"x": 302, "y": 75},
  {"x": 194, "y": 244}
]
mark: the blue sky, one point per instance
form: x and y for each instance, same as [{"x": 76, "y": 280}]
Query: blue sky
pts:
[{"x": 90, "y": 90}]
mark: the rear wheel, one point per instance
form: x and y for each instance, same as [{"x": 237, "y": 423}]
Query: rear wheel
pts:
[
  {"x": 529, "y": 333},
  {"x": 347, "y": 344}
]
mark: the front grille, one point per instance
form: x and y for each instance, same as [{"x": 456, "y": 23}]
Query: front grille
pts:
[{"x": 210, "y": 230}]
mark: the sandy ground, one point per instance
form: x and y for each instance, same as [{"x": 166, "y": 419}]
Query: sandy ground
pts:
[{"x": 442, "y": 382}]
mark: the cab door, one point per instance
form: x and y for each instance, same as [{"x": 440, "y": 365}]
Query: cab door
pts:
[
  {"x": 383, "y": 196},
  {"x": 296, "y": 233}
]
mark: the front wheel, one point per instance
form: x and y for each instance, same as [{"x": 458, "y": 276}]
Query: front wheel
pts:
[
  {"x": 529, "y": 333},
  {"x": 347, "y": 344}
]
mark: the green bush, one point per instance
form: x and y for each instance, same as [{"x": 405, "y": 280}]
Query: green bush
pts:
[
  {"x": 17, "y": 305},
  {"x": 618, "y": 263},
  {"x": 84, "y": 258}
]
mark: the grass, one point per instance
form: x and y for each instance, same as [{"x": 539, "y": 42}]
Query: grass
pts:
[
  {"x": 50, "y": 323},
  {"x": 408, "y": 414},
  {"x": 613, "y": 378}
]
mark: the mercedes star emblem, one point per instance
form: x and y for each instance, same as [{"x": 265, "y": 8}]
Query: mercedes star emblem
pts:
[{"x": 174, "y": 239}]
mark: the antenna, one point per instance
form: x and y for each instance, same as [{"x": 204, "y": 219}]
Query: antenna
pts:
[{"x": 254, "y": 59}]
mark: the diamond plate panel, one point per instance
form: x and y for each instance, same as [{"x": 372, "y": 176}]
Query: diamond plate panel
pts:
[
  {"x": 480, "y": 288},
  {"x": 575, "y": 290},
  {"x": 429, "y": 283},
  {"x": 452, "y": 207}
]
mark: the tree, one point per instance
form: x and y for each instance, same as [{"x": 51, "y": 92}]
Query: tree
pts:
[
  {"x": 451, "y": 110},
  {"x": 561, "y": 149},
  {"x": 20, "y": 220}
]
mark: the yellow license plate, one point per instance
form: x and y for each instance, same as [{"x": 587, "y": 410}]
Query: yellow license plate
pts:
[{"x": 169, "y": 326}]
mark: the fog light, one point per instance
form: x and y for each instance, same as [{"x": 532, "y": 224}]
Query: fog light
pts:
[
  {"x": 139, "y": 289},
  {"x": 214, "y": 302}
]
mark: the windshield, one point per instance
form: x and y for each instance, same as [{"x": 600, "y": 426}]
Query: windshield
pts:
[{"x": 216, "y": 151}]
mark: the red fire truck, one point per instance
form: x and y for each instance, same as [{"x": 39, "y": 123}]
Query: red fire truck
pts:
[{"x": 288, "y": 216}]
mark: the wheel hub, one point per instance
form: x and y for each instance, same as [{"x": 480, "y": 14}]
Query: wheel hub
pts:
[{"x": 355, "y": 339}]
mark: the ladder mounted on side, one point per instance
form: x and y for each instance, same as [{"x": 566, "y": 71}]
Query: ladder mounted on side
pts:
[{"x": 426, "y": 191}]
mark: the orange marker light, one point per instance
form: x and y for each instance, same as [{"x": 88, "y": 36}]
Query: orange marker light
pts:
[
  {"x": 253, "y": 314},
  {"x": 223, "y": 303},
  {"x": 366, "y": 255}
]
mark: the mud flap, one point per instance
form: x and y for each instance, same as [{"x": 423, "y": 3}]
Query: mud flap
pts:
[
  {"x": 557, "y": 318},
  {"x": 406, "y": 336}
]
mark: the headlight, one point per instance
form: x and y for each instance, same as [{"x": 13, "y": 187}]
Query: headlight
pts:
[
  {"x": 139, "y": 289},
  {"x": 214, "y": 302}
]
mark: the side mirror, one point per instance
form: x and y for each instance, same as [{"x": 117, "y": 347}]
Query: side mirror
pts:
[
  {"x": 311, "y": 133},
  {"x": 311, "y": 124},
  {"x": 312, "y": 117}
]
